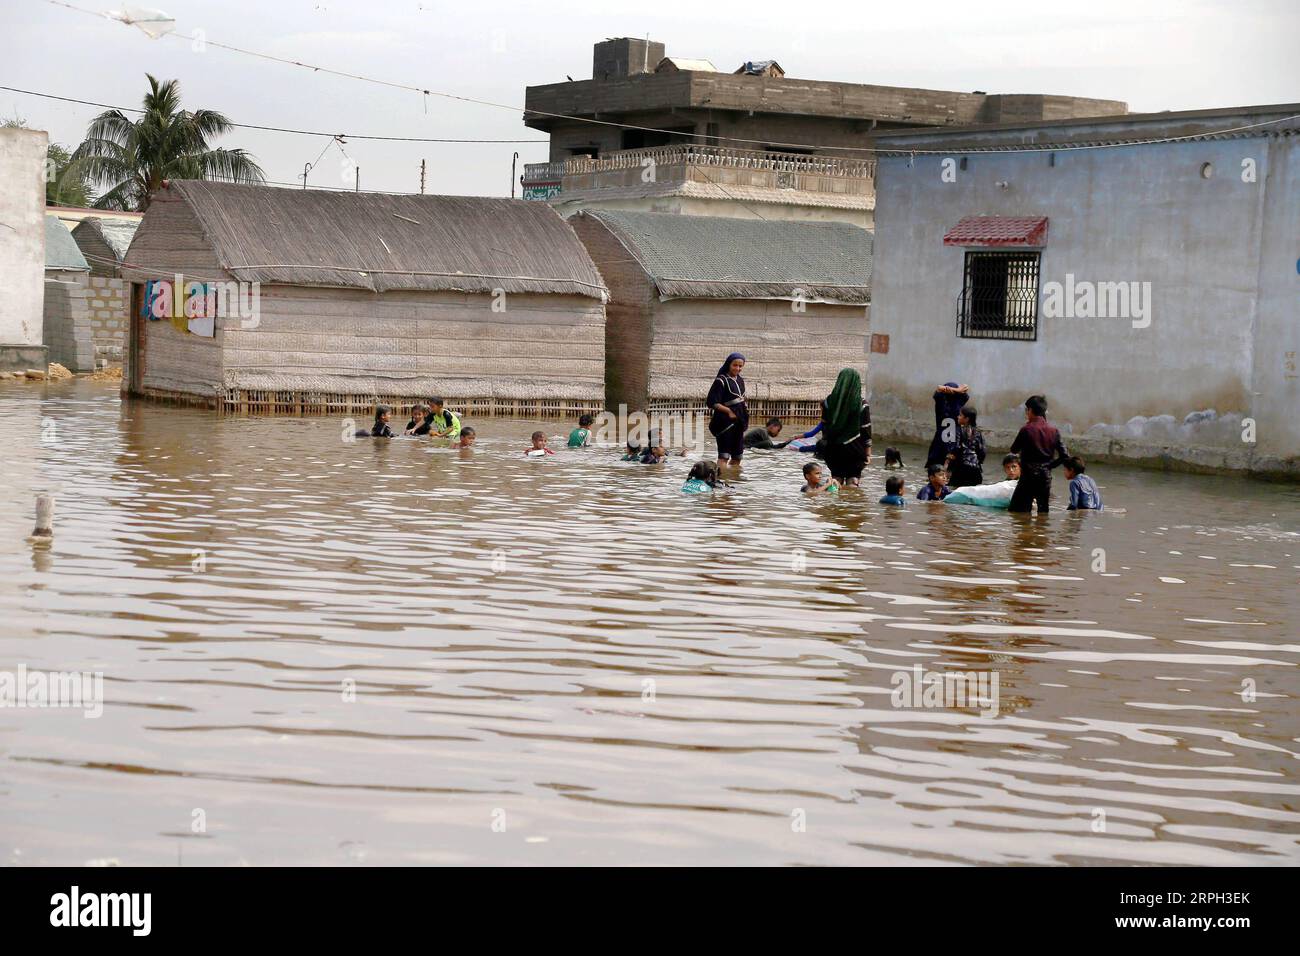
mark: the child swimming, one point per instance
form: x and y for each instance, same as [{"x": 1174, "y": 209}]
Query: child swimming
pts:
[
  {"x": 1084, "y": 495},
  {"x": 419, "y": 412},
  {"x": 764, "y": 436},
  {"x": 538, "y": 447},
  {"x": 936, "y": 489},
  {"x": 893, "y": 458},
  {"x": 894, "y": 490},
  {"x": 381, "y": 428},
  {"x": 703, "y": 477},
  {"x": 580, "y": 437},
  {"x": 467, "y": 437},
  {"x": 815, "y": 483}
]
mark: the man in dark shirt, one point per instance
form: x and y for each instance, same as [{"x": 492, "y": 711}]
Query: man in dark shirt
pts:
[
  {"x": 764, "y": 436},
  {"x": 1040, "y": 449}
]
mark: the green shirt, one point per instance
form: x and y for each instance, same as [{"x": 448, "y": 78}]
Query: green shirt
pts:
[
  {"x": 579, "y": 437},
  {"x": 445, "y": 421}
]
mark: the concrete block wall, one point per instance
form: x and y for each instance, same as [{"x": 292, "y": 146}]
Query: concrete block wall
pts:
[
  {"x": 67, "y": 325},
  {"x": 109, "y": 301}
]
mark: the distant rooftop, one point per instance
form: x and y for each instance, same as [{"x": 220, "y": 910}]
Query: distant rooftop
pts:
[
  {"x": 1220, "y": 123},
  {"x": 61, "y": 251}
]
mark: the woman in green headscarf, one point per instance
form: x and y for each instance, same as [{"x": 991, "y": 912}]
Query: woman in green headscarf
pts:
[{"x": 846, "y": 425}]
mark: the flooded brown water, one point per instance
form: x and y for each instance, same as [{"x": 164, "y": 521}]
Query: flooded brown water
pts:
[{"x": 568, "y": 661}]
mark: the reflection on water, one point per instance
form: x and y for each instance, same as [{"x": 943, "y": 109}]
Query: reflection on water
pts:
[{"x": 319, "y": 652}]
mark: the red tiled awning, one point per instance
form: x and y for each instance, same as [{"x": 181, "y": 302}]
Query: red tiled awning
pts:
[{"x": 998, "y": 231}]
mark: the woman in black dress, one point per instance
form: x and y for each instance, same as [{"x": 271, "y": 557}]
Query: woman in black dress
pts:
[
  {"x": 730, "y": 413},
  {"x": 846, "y": 445}
]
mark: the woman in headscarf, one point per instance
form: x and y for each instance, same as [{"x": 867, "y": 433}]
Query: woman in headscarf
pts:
[
  {"x": 846, "y": 429},
  {"x": 948, "y": 401},
  {"x": 730, "y": 413}
]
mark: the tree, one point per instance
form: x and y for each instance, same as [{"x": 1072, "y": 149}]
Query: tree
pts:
[
  {"x": 130, "y": 159},
  {"x": 65, "y": 181}
]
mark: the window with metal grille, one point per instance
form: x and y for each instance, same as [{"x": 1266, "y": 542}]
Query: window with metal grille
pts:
[{"x": 999, "y": 296}]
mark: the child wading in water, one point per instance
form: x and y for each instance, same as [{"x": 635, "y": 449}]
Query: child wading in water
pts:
[
  {"x": 1084, "y": 495},
  {"x": 966, "y": 454},
  {"x": 703, "y": 477},
  {"x": 937, "y": 488},
  {"x": 381, "y": 428},
  {"x": 418, "y": 414},
  {"x": 815, "y": 483},
  {"x": 580, "y": 437},
  {"x": 894, "y": 491},
  {"x": 467, "y": 437},
  {"x": 538, "y": 448}
]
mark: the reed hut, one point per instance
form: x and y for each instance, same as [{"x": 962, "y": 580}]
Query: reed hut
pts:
[
  {"x": 687, "y": 290},
  {"x": 104, "y": 243},
  {"x": 361, "y": 298}
]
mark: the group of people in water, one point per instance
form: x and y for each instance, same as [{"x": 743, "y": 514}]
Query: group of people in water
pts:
[
  {"x": 954, "y": 462},
  {"x": 840, "y": 444}
]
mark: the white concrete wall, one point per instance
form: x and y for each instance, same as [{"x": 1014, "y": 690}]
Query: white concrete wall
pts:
[
  {"x": 1220, "y": 257},
  {"x": 22, "y": 235}
]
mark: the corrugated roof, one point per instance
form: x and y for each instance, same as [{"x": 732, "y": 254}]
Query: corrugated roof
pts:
[
  {"x": 998, "y": 231},
  {"x": 117, "y": 233},
  {"x": 389, "y": 242},
  {"x": 688, "y": 64},
  {"x": 61, "y": 250},
  {"x": 713, "y": 257}
]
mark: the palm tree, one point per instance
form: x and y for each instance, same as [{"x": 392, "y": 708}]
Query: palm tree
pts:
[{"x": 130, "y": 159}]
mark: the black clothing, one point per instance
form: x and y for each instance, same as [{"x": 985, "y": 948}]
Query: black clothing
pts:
[
  {"x": 847, "y": 459},
  {"x": 729, "y": 432}
]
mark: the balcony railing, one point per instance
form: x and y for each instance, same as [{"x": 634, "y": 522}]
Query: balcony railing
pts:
[{"x": 691, "y": 154}]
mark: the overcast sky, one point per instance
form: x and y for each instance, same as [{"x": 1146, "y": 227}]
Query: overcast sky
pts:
[{"x": 1166, "y": 54}]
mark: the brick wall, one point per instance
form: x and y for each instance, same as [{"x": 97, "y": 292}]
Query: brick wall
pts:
[
  {"x": 109, "y": 303},
  {"x": 68, "y": 333}
]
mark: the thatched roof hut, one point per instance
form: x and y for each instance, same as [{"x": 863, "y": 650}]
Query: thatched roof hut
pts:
[
  {"x": 104, "y": 243},
  {"x": 491, "y": 302},
  {"x": 687, "y": 290},
  {"x": 381, "y": 243}
]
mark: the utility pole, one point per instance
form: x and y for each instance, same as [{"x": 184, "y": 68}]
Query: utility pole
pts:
[
  {"x": 421, "y": 177},
  {"x": 513, "y": 161},
  {"x": 358, "y": 189}
]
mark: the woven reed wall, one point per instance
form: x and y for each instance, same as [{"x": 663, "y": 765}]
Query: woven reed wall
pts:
[{"x": 791, "y": 357}]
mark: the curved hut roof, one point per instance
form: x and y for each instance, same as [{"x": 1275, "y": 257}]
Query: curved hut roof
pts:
[
  {"x": 713, "y": 257},
  {"x": 382, "y": 243}
]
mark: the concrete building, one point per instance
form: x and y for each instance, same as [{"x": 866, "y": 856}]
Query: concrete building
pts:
[
  {"x": 346, "y": 299},
  {"x": 753, "y": 143},
  {"x": 1142, "y": 272},
  {"x": 687, "y": 290},
  {"x": 22, "y": 248}
]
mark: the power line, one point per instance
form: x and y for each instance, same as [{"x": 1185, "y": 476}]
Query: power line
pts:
[
  {"x": 1036, "y": 148},
  {"x": 277, "y": 129}
]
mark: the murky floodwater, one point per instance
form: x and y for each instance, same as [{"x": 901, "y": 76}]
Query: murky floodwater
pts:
[{"x": 567, "y": 661}]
